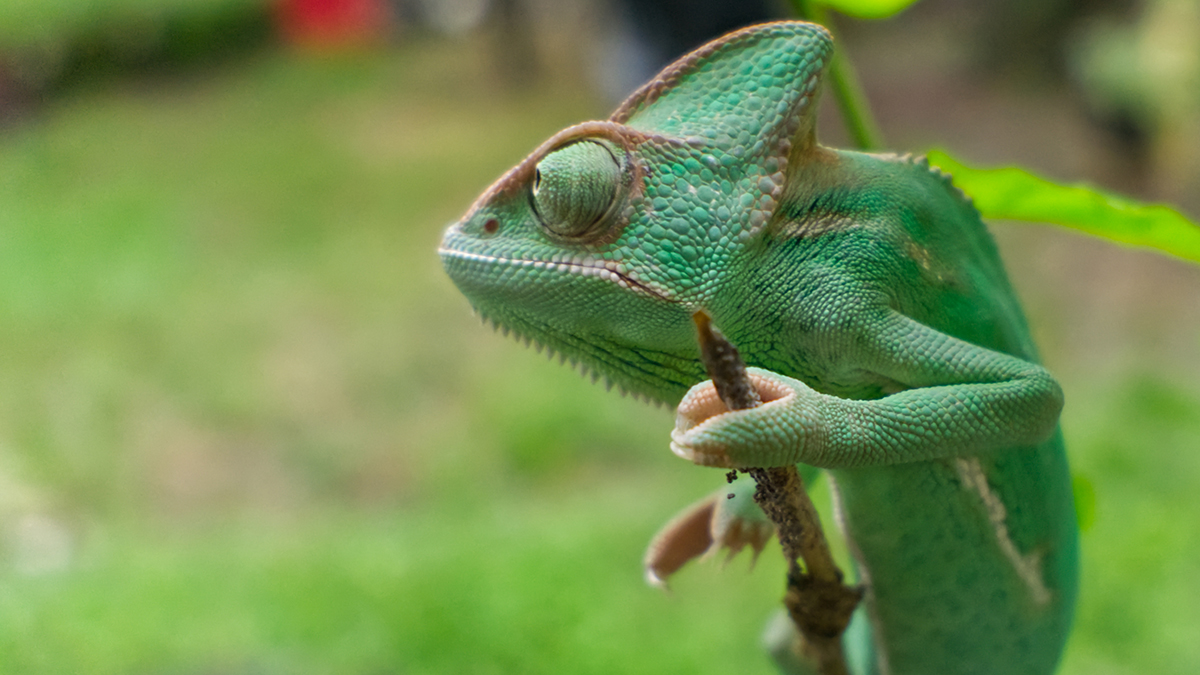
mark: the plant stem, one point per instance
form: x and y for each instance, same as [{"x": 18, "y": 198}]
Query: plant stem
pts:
[
  {"x": 819, "y": 603},
  {"x": 843, "y": 80}
]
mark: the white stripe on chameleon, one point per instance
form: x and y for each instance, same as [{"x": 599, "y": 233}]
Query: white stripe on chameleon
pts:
[{"x": 1028, "y": 567}]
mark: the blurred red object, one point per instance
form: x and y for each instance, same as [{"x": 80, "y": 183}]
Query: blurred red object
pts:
[{"x": 332, "y": 23}]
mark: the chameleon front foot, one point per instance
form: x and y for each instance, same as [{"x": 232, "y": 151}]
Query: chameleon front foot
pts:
[{"x": 777, "y": 433}]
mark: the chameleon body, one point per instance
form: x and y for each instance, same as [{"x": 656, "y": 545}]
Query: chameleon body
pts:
[{"x": 870, "y": 302}]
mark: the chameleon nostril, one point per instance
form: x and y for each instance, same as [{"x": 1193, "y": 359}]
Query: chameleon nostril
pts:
[{"x": 491, "y": 225}]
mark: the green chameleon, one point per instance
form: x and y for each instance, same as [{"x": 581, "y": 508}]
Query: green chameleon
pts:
[{"x": 870, "y": 303}]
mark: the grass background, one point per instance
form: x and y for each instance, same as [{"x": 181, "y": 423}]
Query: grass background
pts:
[{"x": 247, "y": 426}]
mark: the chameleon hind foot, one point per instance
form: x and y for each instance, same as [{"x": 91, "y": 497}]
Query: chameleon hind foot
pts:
[{"x": 727, "y": 519}]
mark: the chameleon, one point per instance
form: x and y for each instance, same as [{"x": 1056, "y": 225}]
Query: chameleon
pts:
[{"x": 874, "y": 314}]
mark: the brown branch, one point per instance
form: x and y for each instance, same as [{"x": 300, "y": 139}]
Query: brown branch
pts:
[{"x": 817, "y": 600}]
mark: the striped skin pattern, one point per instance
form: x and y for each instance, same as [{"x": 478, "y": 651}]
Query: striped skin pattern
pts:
[{"x": 870, "y": 302}]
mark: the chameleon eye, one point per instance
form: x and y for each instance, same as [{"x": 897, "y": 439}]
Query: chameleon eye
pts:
[{"x": 575, "y": 187}]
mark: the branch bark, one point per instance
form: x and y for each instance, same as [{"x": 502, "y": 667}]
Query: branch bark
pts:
[{"x": 819, "y": 603}]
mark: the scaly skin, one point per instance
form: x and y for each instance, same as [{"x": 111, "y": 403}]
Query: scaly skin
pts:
[{"x": 868, "y": 297}]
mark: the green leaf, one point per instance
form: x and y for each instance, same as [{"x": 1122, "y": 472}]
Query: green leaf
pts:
[
  {"x": 868, "y": 9},
  {"x": 1011, "y": 193}
]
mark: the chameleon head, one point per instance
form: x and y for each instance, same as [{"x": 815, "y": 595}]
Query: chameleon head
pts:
[{"x": 602, "y": 243}]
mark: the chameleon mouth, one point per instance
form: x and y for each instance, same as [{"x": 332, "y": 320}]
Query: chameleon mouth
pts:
[{"x": 585, "y": 266}]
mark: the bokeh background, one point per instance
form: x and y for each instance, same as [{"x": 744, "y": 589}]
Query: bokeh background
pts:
[{"x": 247, "y": 425}]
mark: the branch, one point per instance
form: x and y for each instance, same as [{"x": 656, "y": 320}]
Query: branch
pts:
[
  {"x": 819, "y": 603},
  {"x": 843, "y": 80}
]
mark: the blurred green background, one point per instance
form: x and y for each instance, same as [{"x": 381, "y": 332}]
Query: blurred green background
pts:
[{"x": 247, "y": 425}]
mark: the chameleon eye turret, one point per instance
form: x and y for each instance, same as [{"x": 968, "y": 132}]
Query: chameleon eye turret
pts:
[{"x": 575, "y": 187}]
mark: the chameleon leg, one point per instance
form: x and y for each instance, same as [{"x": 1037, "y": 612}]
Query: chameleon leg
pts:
[{"x": 959, "y": 399}]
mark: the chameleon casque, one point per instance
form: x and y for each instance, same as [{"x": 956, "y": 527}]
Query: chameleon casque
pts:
[{"x": 870, "y": 302}]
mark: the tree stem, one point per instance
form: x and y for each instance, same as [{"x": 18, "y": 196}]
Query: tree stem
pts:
[
  {"x": 843, "y": 80},
  {"x": 818, "y": 602}
]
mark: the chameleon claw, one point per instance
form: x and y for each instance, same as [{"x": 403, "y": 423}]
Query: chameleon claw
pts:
[
  {"x": 735, "y": 534},
  {"x": 685, "y": 537},
  {"x": 727, "y": 520}
]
